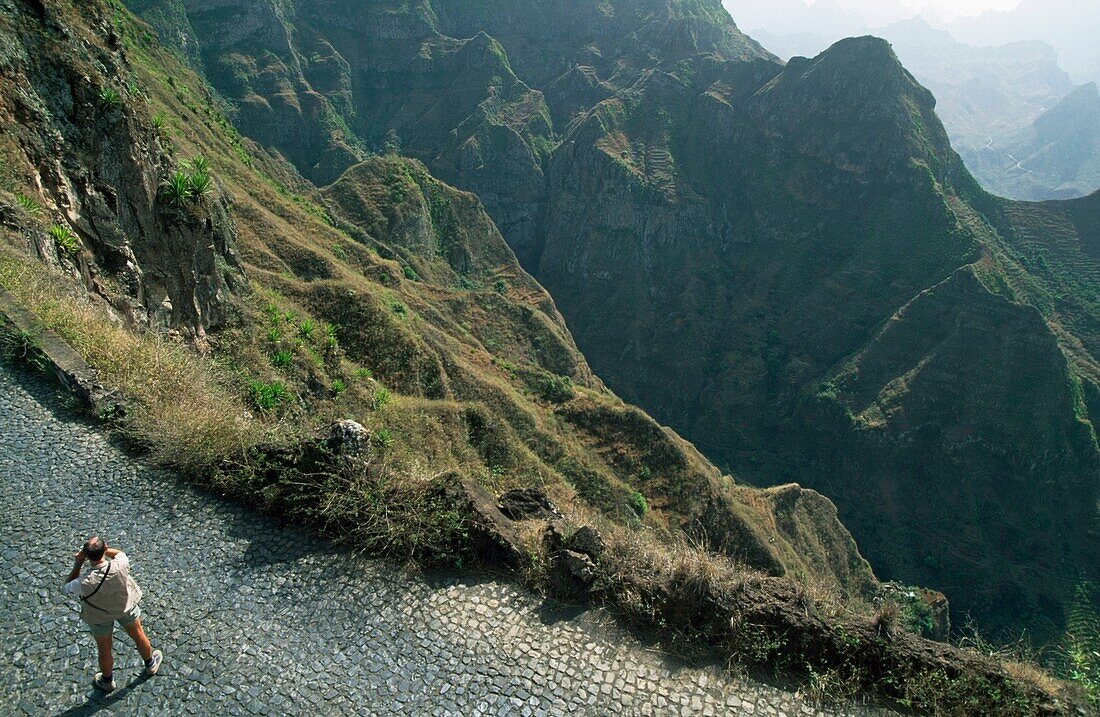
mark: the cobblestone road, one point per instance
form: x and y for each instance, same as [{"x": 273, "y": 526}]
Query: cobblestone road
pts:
[{"x": 257, "y": 618}]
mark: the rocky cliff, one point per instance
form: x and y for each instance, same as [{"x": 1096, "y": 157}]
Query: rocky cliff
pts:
[{"x": 84, "y": 153}]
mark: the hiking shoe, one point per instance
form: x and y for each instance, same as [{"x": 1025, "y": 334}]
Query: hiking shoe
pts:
[
  {"x": 154, "y": 663},
  {"x": 103, "y": 685}
]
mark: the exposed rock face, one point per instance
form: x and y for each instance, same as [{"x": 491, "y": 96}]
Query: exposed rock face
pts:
[
  {"x": 574, "y": 554},
  {"x": 347, "y": 438},
  {"x": 524, "y": 503},
  {"x": 313, "y": 77},
  {"x": 292, "y": 89},
  {"x": 82, "y": 139}
]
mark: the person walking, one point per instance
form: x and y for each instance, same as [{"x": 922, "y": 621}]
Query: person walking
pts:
[{"x": 108, "y": 594}]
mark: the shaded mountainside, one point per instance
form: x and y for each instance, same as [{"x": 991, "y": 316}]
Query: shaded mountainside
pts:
[
  {"x": 788, "y": 264},
  {"x": 313, "y": 79},
  {"x": 320, "y": 304},
  {"x": 790, "y": 219}
]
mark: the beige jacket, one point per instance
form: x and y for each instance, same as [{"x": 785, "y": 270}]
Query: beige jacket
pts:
[{"x": 106, "y": 591}]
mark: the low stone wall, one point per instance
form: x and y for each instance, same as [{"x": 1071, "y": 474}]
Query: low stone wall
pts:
[{"x": 47, "y": 350}]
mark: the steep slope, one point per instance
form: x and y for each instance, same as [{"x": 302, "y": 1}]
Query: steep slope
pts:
[
  {"x": 434, "y": 80},
  {"x": 726, "y": 235},
  {"x": 71, "y": 138},
  {"x": 399, "y": 283},
  {"x": 725, "y": 244}
]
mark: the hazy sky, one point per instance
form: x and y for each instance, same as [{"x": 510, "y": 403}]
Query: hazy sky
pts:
[{"x": 962, "y": 7}]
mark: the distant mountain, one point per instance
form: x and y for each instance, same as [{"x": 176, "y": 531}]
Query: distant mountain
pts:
[
  {"x": 819, "y": 24},
  {"x": 980, "y": 91},
  {"x": 1022, "y": 127},
  {"x": 1055, "y": 157},
  {"x": 1070, "y": 26}
]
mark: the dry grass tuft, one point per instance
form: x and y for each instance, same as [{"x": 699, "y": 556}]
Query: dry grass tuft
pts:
[
  {"x": 1031, "y": 674},
  {"x": 176, "y": 408},
  {"x": 886, "y": 619}
]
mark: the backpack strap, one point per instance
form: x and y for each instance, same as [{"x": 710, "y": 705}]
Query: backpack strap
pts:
[{"x": 84, "y": 598}]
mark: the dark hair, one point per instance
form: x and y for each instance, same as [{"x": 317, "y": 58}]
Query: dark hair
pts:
[{"x": 95, "y": 548}]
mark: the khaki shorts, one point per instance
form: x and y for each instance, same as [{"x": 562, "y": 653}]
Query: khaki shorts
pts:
[{"x": 102, "y": 629}]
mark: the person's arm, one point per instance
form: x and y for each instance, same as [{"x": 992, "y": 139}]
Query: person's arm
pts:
[
  {"x": 74, "y": 574},
  {"x": 111, "y": 552}
]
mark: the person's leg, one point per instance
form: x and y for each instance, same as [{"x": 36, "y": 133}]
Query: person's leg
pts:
[
  {"x": 106, "y": 658},
  {"x": 144, "y": 648}
]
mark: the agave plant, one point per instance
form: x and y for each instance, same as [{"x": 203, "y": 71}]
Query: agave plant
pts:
[
  {"x": 158, "y": 121},
  {"x": 200, "y": 165},
  {"x": 177, "y": 188},
  {"x": 28, "y": 204},
  {"x": 109, "y": 97},
  {"x": 201, "y": 184},
  {"x": 64, "y": 239}
]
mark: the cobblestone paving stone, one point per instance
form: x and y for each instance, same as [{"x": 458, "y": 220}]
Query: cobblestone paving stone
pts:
[{"x": 257, "y": 618}]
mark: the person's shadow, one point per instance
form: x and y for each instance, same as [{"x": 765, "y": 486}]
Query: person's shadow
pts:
[{"x": 100, "y": 701}]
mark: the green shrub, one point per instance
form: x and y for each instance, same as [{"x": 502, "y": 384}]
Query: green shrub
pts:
[
  {"x": 306, "y": 329},
  {"x": 557, "y": 389},
  {"x": 381, "y": 398},
  {"x": 383, "y": 437},
  {"x": 500, "y": 287},
  {"x": 267, "y": 395},
  {"x": 64, "y": 239},
  {"x": 274, "y": 336},
  {"x": 177, "y": 189},
  {"x": 638, "y": 504},
  {"x": 338, "y": 386},
  {"x": 916, "y": 617},
  {"x": 282, "y": 359},
  {"x": 331, "y": 342},
  {"x": 339, "y": 252},
  {"x": 410, "y": 273},
  {"x": 159, "y": 120},
  {"x": 198, "y": 165},
  {"x": 362, "y": 374}
]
